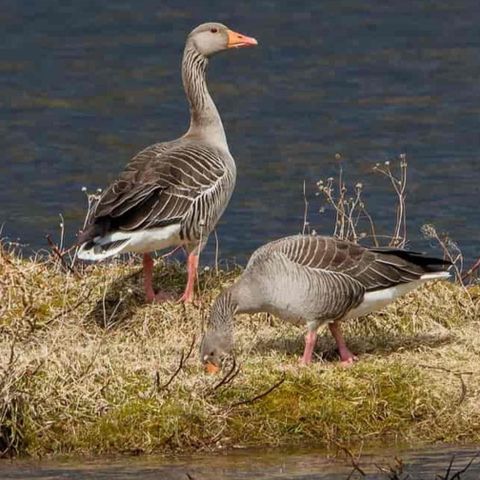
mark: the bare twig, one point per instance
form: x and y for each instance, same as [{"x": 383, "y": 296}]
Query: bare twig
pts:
[
  {"x": 447, "y": 245},
  {"x": 463, "y": 385},
  {"x": 259, "y": 396},
  {"x": 449, "y": 469},
  {"x": 354, "y": 462},
  {"x": 351, "y": 213},
  {"x": 457, "y": 475},
  {"x": 60, "y": 255},
  {"x": 305, "y": 210},
  {"x": 399, "y": 185},
  {"x": 229, "y": 376},
  {"x": 181, "y": 364},
  {"x": 471, "y": 270}
]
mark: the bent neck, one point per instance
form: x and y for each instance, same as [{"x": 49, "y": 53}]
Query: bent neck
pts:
[
  {"x": 238, "y": 298},
  {"x": 223, "y": 313},
  {"x": 205, "y": 120}
]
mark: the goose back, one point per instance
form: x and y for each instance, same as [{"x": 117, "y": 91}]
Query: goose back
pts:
[
  {"x": 320, "y": 279},
  {"x": 184, "y": 182}
]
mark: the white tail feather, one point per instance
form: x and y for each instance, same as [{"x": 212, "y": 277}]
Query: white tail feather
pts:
[
  {"x": 92, "y": 255},
  {"x": 435, "y": 276},
  {"x": 141, "y": 241},
  {"x": 378, "y": 299}
]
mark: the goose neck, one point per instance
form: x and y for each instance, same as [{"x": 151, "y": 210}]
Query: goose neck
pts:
[
  {"x": 223, "y": 312},
  {"x": 205, "y": 120}
]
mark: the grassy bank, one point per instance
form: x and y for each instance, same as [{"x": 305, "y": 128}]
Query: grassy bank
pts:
[{"x": 87, "y": 367}]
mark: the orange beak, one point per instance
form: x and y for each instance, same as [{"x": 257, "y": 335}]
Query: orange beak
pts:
[
  {"x": 237, "y": 40},
  {"x": 211, "y": 368}
]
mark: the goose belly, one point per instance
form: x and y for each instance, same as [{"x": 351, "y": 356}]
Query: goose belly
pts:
[
  {"x": 373, "y": 301},
  {"x": 286, "y": 312},
  {"x": 290, "y": 304}
]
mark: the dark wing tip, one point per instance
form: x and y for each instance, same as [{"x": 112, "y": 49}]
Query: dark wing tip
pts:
[{"x": 416, "y": 258}]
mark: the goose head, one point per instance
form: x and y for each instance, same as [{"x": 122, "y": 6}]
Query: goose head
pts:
[
  {"x": 215, "y": 347},
  {"x": 211, "y": 38}
]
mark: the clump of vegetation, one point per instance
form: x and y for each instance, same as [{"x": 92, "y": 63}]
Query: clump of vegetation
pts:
[{"x": 87, "y": 367}]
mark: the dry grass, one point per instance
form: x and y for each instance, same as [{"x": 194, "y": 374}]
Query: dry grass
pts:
[{"x": 84, "y": 363}]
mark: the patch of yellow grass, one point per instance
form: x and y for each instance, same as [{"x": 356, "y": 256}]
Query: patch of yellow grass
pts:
[{"x": 84, "y": 361}]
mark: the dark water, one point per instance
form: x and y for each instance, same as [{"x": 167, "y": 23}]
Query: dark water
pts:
[
  {"x": 84, "y": 85},
  {"x": 253, "y": 465}
]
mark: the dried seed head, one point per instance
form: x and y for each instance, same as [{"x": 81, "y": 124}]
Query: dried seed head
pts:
[{"x": 429, "y": 231}]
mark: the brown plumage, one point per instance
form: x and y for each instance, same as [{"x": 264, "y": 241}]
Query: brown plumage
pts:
[{"x": 171, "y": 194}]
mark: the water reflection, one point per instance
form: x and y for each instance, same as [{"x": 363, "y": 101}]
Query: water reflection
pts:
[{"x": 83, "y": 89}]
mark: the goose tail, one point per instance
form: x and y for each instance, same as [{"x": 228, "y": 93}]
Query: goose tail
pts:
[{"x": 96, "y": 249}]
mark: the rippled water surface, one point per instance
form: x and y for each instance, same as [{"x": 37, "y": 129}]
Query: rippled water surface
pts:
[
  {"x": 298, "y": 465},
  {"x": 86, "y": 84}
]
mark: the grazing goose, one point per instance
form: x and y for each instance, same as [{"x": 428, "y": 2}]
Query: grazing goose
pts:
[
  {"x": 316, "y": 280},
  {"x": 173, "y": 193}
]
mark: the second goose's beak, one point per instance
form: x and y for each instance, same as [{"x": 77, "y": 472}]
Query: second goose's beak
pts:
[
  {"x": 237, "y": 40},
  {"x": 211, "y": 368}
]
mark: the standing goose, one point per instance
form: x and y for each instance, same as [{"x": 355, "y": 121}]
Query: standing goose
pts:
[
  {"x": 172, "y": 193},
  {"x": 316, "y": 280}
]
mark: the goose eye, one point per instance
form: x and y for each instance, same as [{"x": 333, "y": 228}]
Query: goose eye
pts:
[
  {"x": 214, "y": 30},
  {"x": 212, "y": 354}
]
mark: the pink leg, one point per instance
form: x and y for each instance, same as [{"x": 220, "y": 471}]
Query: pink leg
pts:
[
  {"x": 310, "y": 339},
  {"x": 192, "y": 267},
  {"x": 346, "y": 356},
  {"x": 150, "y": 295}
]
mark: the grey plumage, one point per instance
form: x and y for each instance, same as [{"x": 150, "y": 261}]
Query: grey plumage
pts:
[
  {"x": 315, "y": 280},
  {"x": 172, "y": 193},
  {"x": 187, "y": 181}
]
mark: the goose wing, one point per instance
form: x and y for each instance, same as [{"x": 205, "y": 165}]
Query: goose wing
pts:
[
  {"x": 373, "y": 268},
  {"x": 157, "y": 188}
]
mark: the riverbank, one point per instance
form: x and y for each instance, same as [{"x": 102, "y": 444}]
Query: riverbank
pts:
[{"x": 88, "y": 368}]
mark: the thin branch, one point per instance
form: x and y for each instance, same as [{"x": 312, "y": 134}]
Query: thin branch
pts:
[
  {"x": 463, "y": 385},
  {"x": 305, "y": 210},
  {"x": 60, "y": 255},
  {"x": 447, "y": 475},
  {"x": 457, "y": 475},
  {"x": 181, "y": 364},
  {"x": 471, "y": 270},
  {"x": 229, "y": 376},
  {"x": 355, "y": 465},
  {"x": 259, "y": 396}
]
